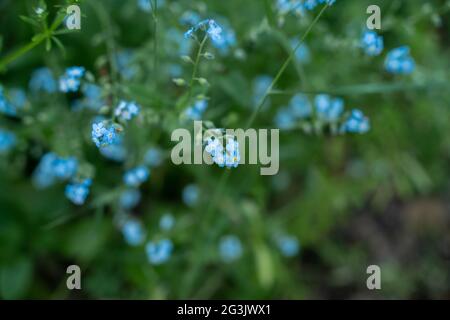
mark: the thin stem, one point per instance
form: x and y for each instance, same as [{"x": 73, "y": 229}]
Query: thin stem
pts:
[
  {"x": 196, "y": 64},
  {"x": 155, "y": 42},
  {"x": 283, "y": 68},
  {"x": 33, "y": 43}
]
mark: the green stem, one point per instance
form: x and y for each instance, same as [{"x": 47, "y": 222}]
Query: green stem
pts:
[
  {"x": 33, "y": 43},
  {"x": 196, "y": 64},
  {"x": 155, "y": 42},
  {"x": 283, "y": 68}
]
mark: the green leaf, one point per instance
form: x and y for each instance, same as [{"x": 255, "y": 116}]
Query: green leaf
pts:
[{"x": 264, "y": 266}]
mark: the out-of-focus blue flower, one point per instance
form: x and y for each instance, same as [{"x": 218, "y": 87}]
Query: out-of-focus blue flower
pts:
[
  {"x": 133, "y": 232},
  {"x": 190, "y": 18},
  {"x": 299, "y": 107},
  {"x": 7, "y": 140},
  {"x": 399, "y": 61},
  {"x": 147, "y": 5},
  {"x": 104, "y": 134},
  {"x": 260, "y": 86},
  {"x": 71, "y": 80},
  {"x": 230, "y": 248},
  {"x": 226, "y": 39},
  {"x": 159, "y": 252},
  {"x": 53, "y": 168},
  {"x": 130, "y": 198},
  {"x": 153, "y": 157},
  {"x": 356, "y": 123},
  {"x": 372, "y": 43},
  {"x": 328, "y": 108},
  {"x": 302, "y": 53},
  {"x": 166, "y": 222},
  {"x": 127, "y": 110},
  {"x": 135, "y": 177},
  {"x": 191, "y": 194},
  {"x": 288, "y": 245},
  {"x": 196, "y": 111},
  {"x": 300, "y": 6},
  {"x": 12, "y": 102},
  {"x": 92, "y": 98},
  {"x": 78, "y": 192},
  {"x": 124, "y": 62},
  {"x": 42, "y": 80}
]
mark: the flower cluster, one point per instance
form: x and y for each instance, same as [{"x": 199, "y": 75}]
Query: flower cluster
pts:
[
  {"x": 159, "y": 252},
  {"x": 71, "y": 80},
  {"x": 92, "y": 98},
  {"x": 129, "y": 198},
  {"x": 125, "y": 111},
  {"x": 77, "y": 192},
  {"x": 399, "y": 61},
  {"x": 230, "y": 248},
  {"x": 327, "y": 110},
  {"x": 53, "y": 168},
  {"x": 356, "y": 123},
  {"x": 196, "y": 111},
  {"x": 10, "y": 105},
  {"x": 209, "y": 27},
  {"x": 298, "y": 108},
  {"x": 135, "y": 177},
  {"x": 224, "y": 157},
  {"x": 42, "y": 79},
  {"x": 372, "y": 43},
  {"x": 133, "y": 232},
  {"x": 105, "y": 134},
  {"x": 300, "y": 6},
  {"x": 7, "y": 140}
]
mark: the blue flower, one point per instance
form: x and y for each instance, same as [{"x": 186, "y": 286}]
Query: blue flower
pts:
[
  {"x": 302, "y": 53},
  {"x": 260, "y": 86},
  {"x": 211, "y": 29},
  {"x": 127, "y": 110},
  {"x": 70, "y": 81},
  {"x": 42, "y": 80},
  {"x": 356, "y": 123},
  {"x": 191, "y": 194},
  {"x": 224, "y": 157},
  {"x": 115, "y": 152},
  {"x": 159, "y": 252},
  {"x": 327, "y": 108},
  {"x": 372, "y": 43},
  {"x": 104, "y": 134},
  {"x": 288, "y": 245},
  {"x": 92, "y": 99},
  {"x": 399, "y": 61},
  {"x": 7, "y": 140},
  {"x": 124, "y": 64},
  {"x": 153, "y": 157},
  {"x": 190, "y": 18},
  {"x": 147, "y": 5},
  {"x": 135, "y": 177},
  {"x": 130, "y": 198},
  {"x": 78, "y": 192},
  {"x": 299, "y": 107},
  {"x": 14, "y": 101},
  {"x": 53, "y": 168},
  {"x": 196, "y": 111},
  {"x": 133, "y": 232},
  {"x": 230, "y": 248},
  {"x": 225, "y": 40},
  {"x": 166, "y": 222},
  {"x": 300, "y": 6}
]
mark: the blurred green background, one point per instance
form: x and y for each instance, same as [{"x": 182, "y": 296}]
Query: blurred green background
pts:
[{"x": 351, "y": 201}]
